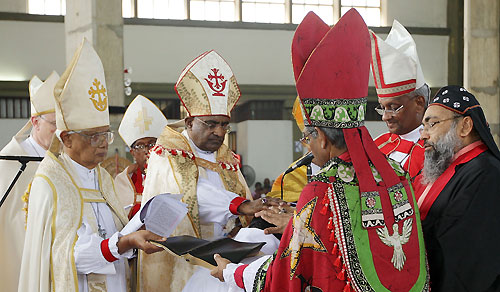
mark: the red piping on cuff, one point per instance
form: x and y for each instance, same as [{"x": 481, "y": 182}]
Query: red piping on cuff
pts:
[
  {"x": 106, "y": 252},
  {"x": 238, "y": 276},
  {"x": 235, "y": 203}
]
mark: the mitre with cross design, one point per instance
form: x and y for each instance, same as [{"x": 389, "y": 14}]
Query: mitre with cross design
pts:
[
  {"x": 141, "y": 119},
  {"x": 207, "y": 86},
  {"x": 81, "y": 93}
]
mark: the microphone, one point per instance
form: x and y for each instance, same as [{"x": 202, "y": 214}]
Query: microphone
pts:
[
  {"x": 303, "y": 161},
  {"x": 22, "y": 159}
]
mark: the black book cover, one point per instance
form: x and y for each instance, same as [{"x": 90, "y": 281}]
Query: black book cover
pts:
[{"x": 203, "y": 249}]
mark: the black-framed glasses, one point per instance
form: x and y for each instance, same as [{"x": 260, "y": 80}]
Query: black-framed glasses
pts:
[
  {"x": 306, "y": 137},
  {"x": 429, "y": 125},
  {"x": 381, "y": 111},
  {"x": 144, "y": 147},
  {"x": 97, "y": 138},
  {"x": 211, "y": 125}
]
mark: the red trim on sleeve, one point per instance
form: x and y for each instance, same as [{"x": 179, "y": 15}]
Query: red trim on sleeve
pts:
[
  {"x": 106, "y": 252},
  {"x": 238, "y": 276},
  {"x": 235, "y": 203}
]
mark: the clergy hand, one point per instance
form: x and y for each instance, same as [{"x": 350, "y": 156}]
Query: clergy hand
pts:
[
  {"x": 221, "y": 265},
  {"x": 278, "y": 216},
  {"x": 252, "y": 207},
  {"x": 139, "y": 239}
]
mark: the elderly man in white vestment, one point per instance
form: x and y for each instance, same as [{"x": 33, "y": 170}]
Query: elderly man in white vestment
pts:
[
  {"x": 25, "y": 143},
  {"x": 73, "y": 239},
  {"x": 198, "y": 165},
  {"x": 141, "y": 125}
]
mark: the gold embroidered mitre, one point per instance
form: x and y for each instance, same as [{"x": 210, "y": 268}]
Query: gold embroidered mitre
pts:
[
  {"x": 81, "y": 94},
  {"x": 207, "y": 86}
]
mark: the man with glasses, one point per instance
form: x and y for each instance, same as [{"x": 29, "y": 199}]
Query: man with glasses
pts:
[
  {"x": 74, "y": 239},
  {"x": 197, "y": 164},
  {"x": 24, "y": 143},
  {"x": 338, "y": 239},
  {"x": 141, "y": 125},
  {"x": 459, "y": 205},
  {"x": 403, "y": 96}
]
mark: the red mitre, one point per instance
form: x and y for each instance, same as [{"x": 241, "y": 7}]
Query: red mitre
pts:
[
  {"x": 307, "y": 36},
  {"x": 333, "y": 86}
]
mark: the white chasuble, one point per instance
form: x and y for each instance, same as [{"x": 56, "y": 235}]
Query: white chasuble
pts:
[
  {"x": 62, "y": 246},
  {"x": 12, "y": 215}
]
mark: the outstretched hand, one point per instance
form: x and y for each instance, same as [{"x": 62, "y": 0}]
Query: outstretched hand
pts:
[
  {"x": 221, "y": 265},
  {"x": 139, "y": 239},
  {"x": 252, "y": 207},
  {"x": 279, "y": 216}
]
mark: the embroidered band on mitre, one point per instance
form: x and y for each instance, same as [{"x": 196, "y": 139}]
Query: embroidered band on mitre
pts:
[
  {"x": 395, "y": 65},
  {"x": 142, "y": 119},
  {"x": 42, "y": 94},
  {"x": 333, "y": 81},
  {"x": 333, "y": 85},
  {"x": 207, "y": 86},
  {"x": 81, "y": 93}
]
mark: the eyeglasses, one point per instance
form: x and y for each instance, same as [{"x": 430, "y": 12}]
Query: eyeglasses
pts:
[
  {"x": 305, "y": 137},
  {"x": 53, "y": 123},
  {"x": 391, "y": 112},
  {"x": 97, "y": 138},
  {"x": 211, "y": 125},
  {"x": 144, "y": 147},
  {"x": 430, "y": 125}
]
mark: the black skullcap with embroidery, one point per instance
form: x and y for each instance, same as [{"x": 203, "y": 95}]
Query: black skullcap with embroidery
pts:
[{"x": 459, "y": 100}]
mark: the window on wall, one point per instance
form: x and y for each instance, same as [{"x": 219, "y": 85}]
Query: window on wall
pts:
[
  {"x": 48, "y": 7},
  {"x": 213, "y": 10},
  {"x": 369, "y": 9},
  {"x": 161, "y": 9},
  {"x": 266, "y": 11},
  {"x": 323, "y": 8},
  {"x": 263, "y": 11}
]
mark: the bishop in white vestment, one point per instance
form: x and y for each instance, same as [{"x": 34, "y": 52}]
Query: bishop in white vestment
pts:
[
  {"x": 73, "y": 239},
  {"x": 32, "y": 140}
]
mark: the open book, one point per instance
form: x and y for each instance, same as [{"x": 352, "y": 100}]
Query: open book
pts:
[{"x": 201, "y": 252}]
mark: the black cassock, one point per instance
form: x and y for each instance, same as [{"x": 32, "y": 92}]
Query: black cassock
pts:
[{"x": 462, "y": 229}]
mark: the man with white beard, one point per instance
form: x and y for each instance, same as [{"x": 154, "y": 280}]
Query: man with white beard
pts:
[{"x": 458, "y": 206}]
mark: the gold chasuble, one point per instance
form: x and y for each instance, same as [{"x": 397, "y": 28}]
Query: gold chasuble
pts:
[
  {"x": 174, "y": 168},
  {"x": 56, "y": 205}
]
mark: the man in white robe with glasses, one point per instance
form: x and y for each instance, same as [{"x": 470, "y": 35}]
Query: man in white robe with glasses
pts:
[
  {"x": 74, "y": 239},
  {"x": 32, "y": 140}
]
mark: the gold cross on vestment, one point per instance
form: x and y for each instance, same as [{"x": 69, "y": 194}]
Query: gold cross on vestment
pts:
[{"x": 143, "y": 121}]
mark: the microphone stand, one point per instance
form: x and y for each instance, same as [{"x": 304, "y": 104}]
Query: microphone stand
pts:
[{"x": 24, "y": 161}]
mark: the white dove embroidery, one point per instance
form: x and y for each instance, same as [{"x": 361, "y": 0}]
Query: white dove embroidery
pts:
[{"x": 396, "y": 240}]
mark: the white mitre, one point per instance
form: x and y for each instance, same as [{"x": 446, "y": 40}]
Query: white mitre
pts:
[
  {"x": 81, "y": 94},
  {"x": 207, "y": 86},
  {"x": 395, "y": 65},
  {"x": 42, "y": 94},
  {"x": 142, "y": 119}
]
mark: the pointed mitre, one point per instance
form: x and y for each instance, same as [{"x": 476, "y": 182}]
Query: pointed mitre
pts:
[
  {"x": 81, "y": 93},
  {"x": 142, "y": 119},
  {"x": 395, "y": 65},
  {"x": 42, "y": 94},
  {"x": 333, "y": 84},
  {"x": 207, "y": 86}
]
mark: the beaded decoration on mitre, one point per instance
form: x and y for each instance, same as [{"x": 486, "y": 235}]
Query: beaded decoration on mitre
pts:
[
  {"x": 207, "y": 86},
  {"x": 81, "y": 93},
  {"x": 395, "y": 65},
  {"x": 42, "y": 94},
  {"x": 142, "y": 119}
]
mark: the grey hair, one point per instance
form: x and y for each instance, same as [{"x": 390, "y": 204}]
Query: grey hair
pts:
[
  {"x": 424, "y": 91},
  {"x": 334, "y": 135}
]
